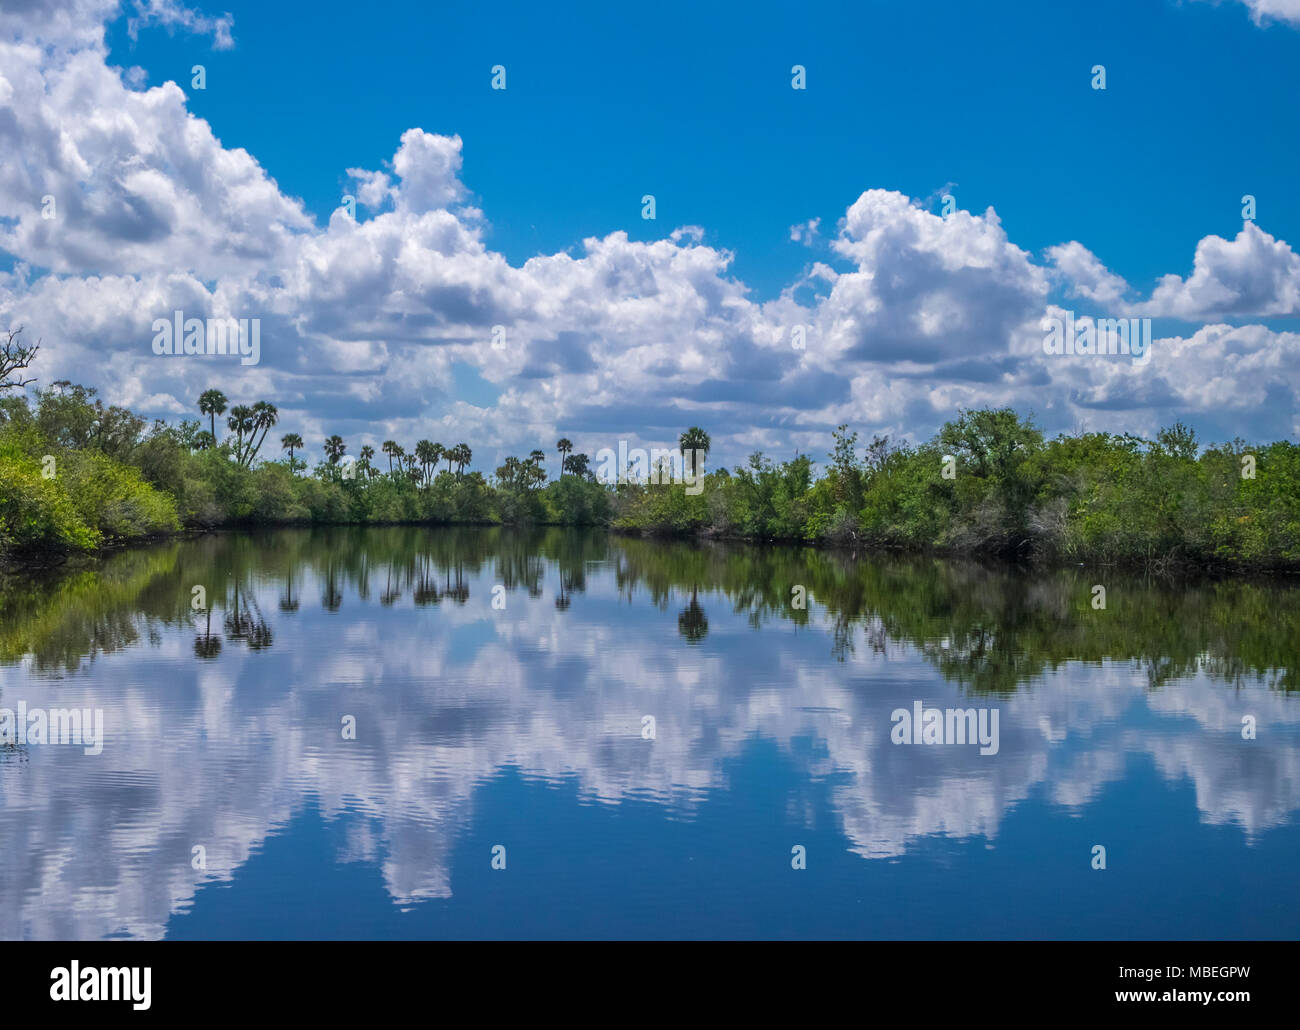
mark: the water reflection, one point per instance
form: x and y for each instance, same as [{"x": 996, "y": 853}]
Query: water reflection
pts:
[{"x": 396, "y": 629}]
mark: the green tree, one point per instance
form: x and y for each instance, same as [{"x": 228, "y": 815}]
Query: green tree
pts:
[
  {"x": 291, "y": 442},
  {"x": 576, "y": 464},
  {"x": 241, "y": 422},
  {"x": 1178, "y": 440},
  {"x": 462, "y": 456},
  {"x": 695, "y": 445},
  {"x": 335, "y": 448},
  {"x": 265, "y": 415},
  {"x": 426, "y": 456},
  {"x": 212, "y": 403}
]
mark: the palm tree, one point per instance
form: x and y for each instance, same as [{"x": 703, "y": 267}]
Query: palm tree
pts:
[
  {"x": 694, "y": 440},
  {"x": 334, "y": 448},
  {"x": 565, "y": 446},
  {"x": 240, "y": 422},
  {"x": 576, "y": 464},
  {"x": 463, "y": 456},
  {"x": 212, "y": 403},
  {"x": 265, "y": 415},
  {"x": 203, "y": 441},
  {"x": 534, "y": 473},
  {"x": 508, "y": 472},
  {"x": 390, "y": 448},
  {"x": 427, "y": 456},
  {"x": 290, "y": 442}
]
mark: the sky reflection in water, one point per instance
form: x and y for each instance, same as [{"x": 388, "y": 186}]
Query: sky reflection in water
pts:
[{"x": 523, "y": 727}]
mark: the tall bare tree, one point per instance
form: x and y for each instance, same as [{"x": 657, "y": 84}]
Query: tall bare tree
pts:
[{"x": 14, "y": 357}]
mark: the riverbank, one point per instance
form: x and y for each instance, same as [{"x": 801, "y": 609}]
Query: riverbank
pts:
[
  {"x": 76, "y": 478},
  {"x": 1169, "y": 568}
]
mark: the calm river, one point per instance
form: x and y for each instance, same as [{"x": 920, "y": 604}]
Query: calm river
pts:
[{"x": 404, "y": 732}]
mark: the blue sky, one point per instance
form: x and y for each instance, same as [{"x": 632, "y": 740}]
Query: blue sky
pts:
[
  {"x": 991, "y": 103},
  {"x": 605, "y": 102}
]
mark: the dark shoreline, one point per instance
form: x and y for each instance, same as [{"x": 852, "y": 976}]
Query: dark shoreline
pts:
[{"x": 1169, "y": 570}]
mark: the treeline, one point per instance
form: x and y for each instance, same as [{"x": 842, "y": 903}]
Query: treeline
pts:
[
  {"x": 76, "y": 474},
  {"x": 990, "y": 484}
]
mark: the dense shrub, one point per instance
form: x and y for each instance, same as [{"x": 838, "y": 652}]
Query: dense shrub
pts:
[
  {"x": 114, "y": 498},
  {"x": 36, "y": 514}
]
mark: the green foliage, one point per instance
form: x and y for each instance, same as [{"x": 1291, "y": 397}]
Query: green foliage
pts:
[
  {"x": 36, "y": 514},
  {"x": 577, "y": 501},
  {"x": 1090, "y": 497},
  {"x": 114, "y": 498}
]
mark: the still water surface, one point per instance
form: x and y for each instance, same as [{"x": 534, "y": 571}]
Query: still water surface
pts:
[{"x": 525, "y": 726}]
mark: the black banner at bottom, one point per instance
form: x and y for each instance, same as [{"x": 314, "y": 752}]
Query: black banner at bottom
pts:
[{"x": 165, "y": 979}]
